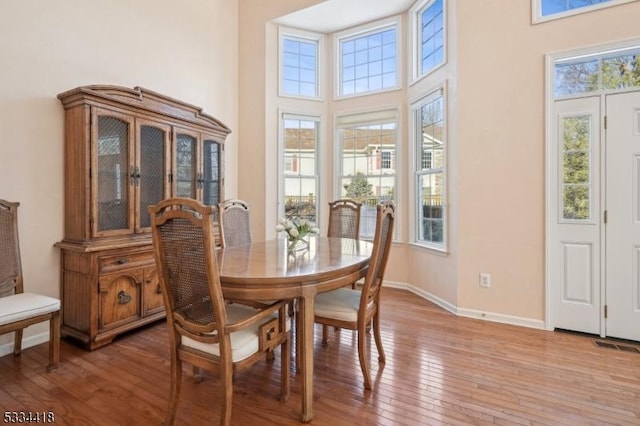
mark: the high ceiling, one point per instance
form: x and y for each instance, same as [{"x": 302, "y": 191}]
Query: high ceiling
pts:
[{"x": 334, "y": 15}]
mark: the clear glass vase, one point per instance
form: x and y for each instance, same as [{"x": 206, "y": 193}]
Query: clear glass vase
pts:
[{"x": 297, "y": 244}]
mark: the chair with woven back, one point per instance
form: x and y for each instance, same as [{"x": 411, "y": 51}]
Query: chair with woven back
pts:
[
  {"x": 344, "y": 219},
  {"x": 355, "y": 309},
  {"x": 20, "y": 309},
  {"x": 235, "y": 223},
  {"x": 204, "y": 330}
]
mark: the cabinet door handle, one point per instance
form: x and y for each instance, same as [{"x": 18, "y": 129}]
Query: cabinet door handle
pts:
[
  {"x": 122, "y": 261},
  {"x": 158, "y": 289},
  {"x": 123, "y": 298}
]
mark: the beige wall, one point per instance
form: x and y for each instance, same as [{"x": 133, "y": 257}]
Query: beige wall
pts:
[
  {"x": 47, "y": 47},
  {"x": 500, "y": 143}
]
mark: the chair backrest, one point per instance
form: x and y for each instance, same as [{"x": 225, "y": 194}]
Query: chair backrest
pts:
[
  {"x": 235, "y": 223},
  {"x": 10, "y": 264},
  {"x": 382, "y": 238},
  {"x": 183, "y": 243},
  {"x": 344, "y": 219}
]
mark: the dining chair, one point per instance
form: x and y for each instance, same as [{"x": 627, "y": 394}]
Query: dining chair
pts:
[
  {"x": 355, "y": 309},
  {"x": 234, "y": 223},
  {"x": 204, "y": 330},
  {"x": 20, "y": 309},
  {"x": 344, "y": 219}
]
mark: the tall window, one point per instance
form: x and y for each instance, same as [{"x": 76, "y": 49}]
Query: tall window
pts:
[
  {"x": 551, "y": 9},
  {"x": 368, "y": 62},
  {"x": 300, "y": 167},
  {"x": 430, "y": 168},
  {"x": 368, "y": 162},
  {"x": 431, "y": 48},
  {"x": 299, "y": 66}
]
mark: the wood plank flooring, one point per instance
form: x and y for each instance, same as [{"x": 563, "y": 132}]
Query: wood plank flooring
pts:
[{"x": 440, "y": 370}]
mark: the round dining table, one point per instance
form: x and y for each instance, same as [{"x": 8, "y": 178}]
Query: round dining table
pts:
[{"x": 267, "y": 270}]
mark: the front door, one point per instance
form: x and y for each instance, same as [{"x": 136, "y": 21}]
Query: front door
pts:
[
  {"x": 574, "y": 216},
  {"x": 622, "y": 245},
  {"x": 594, "y": 216}
]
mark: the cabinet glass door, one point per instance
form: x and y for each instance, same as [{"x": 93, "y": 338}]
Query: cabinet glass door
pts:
[
  {"x": 151, "y": 174},
  {"x": 211, "y": 159},
  {"x": 186, "y": 165},
  {"x": 112, "y": 196}
]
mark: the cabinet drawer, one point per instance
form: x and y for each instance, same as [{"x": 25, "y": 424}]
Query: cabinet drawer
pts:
[{"x": 125, "y": 261}]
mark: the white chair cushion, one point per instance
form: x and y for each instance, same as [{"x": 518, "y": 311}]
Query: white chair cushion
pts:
[
  {"x": 244, "y": 343},
  {"x": 20, "y": 306},
  {"x": 341, "y": 304}
]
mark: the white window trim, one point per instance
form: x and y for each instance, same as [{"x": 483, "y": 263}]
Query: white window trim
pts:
[
  {"x": 537, "y": 18},
  {"x": 359, "y": 31},
  {"x": 285, "y": 114},
  {"x": 414, "y": 36},
  {"x": 443, "y": 248},
  {"x": 284, "y": 32}
]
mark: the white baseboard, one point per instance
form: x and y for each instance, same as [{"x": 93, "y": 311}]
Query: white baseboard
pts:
[
  {"x": 470, "y": 313},
  {"x": 27, "y": 342}
]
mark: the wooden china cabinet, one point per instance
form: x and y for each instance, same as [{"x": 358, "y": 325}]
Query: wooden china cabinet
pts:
[{"x": 126, "y": 149}]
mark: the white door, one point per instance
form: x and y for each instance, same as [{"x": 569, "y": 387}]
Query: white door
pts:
[
  {"x": 574, "y": 216},
  {"x": 622, "y": 246}
]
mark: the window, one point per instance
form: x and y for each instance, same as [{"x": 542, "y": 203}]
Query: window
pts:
[
  {"x": 385, "y": 159},
  {"x": 614, "y": 70},
  {"x": 299, "y": 66},
  {"x": 427, "y": 158},
  {"x": 300, "y": 160},
  {"x": 576, "y": 167},
  {"x": 430, "y": 171},
  {"x": 544, "y": 10},
  {"x": 431, "y": 36},
  {"x": 367, "y": 162},
  {"x": 368, "y": 61}
]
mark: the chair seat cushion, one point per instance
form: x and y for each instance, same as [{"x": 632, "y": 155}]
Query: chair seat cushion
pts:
[
  {"x": 244, "y": 343},
  {"x": 20, "y": 306},
  {"x": 341, "y": 304}
]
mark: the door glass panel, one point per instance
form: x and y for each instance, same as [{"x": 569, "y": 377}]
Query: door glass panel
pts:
[
  {"x": 186, "y": 166},
  {"x": 211, "y": 184},
  {"x": 575, "y": 167},
  {"x": 112, "y": 181},
  {"x": 152, "y": 169}
]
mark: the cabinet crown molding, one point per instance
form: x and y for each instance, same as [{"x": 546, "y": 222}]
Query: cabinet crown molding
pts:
[{"x": 145, "y": 99}]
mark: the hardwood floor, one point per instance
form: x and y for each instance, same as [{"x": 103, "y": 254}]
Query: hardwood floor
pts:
[{"x": 440, "y": 369}]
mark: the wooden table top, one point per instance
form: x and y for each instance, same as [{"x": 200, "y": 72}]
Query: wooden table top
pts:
[{"x": 269, "y": 263}]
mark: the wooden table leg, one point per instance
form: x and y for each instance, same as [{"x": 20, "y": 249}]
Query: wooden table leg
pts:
[{"x": 305, "y": 335}]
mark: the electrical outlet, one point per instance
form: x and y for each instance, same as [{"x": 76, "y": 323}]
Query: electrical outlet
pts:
[{"x": 485, "y": 280}]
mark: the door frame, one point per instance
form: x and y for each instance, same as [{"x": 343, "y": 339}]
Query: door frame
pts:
[{"x": 551, "y": 158}]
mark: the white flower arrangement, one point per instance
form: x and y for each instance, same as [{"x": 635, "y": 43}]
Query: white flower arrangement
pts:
[{"x": 296, "y": 228}]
